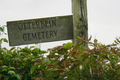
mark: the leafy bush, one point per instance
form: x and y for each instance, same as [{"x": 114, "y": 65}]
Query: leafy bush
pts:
[
  {"x": 2, "y": 31},
  {"x": 21, "y": 60},
  {"x": 75, "y": 62}
]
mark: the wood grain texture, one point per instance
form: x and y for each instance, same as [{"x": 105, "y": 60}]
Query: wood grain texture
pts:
[
  {"x": 80, "y": 21},
  {"x": 40, "y": 30}
]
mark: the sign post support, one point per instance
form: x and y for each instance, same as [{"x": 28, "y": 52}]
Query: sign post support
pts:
[{"x": 80, "y": 22}]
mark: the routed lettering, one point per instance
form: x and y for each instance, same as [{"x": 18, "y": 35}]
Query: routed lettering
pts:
[
  {"x": 42, "y": 24},
  {"x": 40, "y": 35},
  {"x": 20, "y": 27},
  {"x": 24, "y": 37},
  {"x": 36, "y": 24},
  {"x": 43, "y": 36},
  {"x": 24, "y": 25},
  {"x": 47, "y": 34},
  {"x": 55, "y": 32},
  {"x": 33, "y": 25},
  {"x": 34, "y": 36},
  {"x": 51, "y": 34},
  {"x": 29, "y": 36},
  {"x": 53, "y": 23}
]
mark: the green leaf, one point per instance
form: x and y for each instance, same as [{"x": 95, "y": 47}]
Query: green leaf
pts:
[
  {"x": 45, "y": 61},
  {"x": 1, "y": 29},
  {"x": 67, "y": 46},
  {"x": 10, "y": 55},
  {"x": 12, "y": 68},
  {"x": 4, "y": 48},
  {"x": 12, "y": 48},
  {"x": 25, "y": 59},
  {"x": 73, "y": 68},
  {"x": 33, "y": 68},
  {"x": 1, "y": 50},
  {"x": 17, "y": 77},
  {"x": 5, "y": 40},
  {"x": 6, "y": 78},
  {"x": 36, "y": 51},
  {"x": 43, "y": 51},
  {"x": 5, "y": 67},
  {"x": 11, "y": 73},
  {"x": 32, "y": 47},
  {"x": 52, "y": 74},
  {"x": 89, "y": 69},
  {"x": 1, "y": 74}
]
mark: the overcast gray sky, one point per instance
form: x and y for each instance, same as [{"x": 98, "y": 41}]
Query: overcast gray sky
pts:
[{"x": 103, "y": 16}]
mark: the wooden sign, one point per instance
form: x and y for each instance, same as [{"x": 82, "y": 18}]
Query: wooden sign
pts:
[{"x": 40, "y": 30}]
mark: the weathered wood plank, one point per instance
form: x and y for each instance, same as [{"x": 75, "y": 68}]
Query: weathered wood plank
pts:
[
  {"x": 40, "y": 30},
  {"x": 80, "y": 21}
]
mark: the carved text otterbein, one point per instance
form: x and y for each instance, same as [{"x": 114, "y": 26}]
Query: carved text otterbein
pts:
[{"x": 36, "y": 24}]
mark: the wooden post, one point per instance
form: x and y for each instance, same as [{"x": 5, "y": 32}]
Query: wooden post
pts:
[{"x": 80, "y": 22}]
